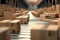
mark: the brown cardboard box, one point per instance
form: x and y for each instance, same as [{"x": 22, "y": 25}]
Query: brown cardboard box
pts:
[
  {"x": 42, "y": 16},
  {"x": 52, "y": 32},
  {"x": 9, "y": 15},
  {"x": 40, "y": 11},
  {"x": 59, "y": 27},
  {"x": 50, "y": 9},
  {"x": 50, "y": 16},
  {"x": 57, "y": 7},
  {"x": 24, "y": 19},
  {"x": 44, "y": 9},
  {"x": 15, "y": 26},
  {"x": 24, "y": 12},
  {"x": 4, "y": 33},
  {"x": 53, "y": 8},
  {"x": 1, "y": 15},
  {"x": 1, "y": 18},
  {"x": 55, "y": 21},
  {"x": 59, "y": 23},
  {"x": 17, "y": 14},
  {"x": 5, "y": 23},
  {"x": 38, "y": 32},
  {"x": 35, "y": 13}
]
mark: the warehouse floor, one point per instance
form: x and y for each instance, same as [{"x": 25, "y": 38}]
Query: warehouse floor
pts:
[{"x": 25, "y": 29}]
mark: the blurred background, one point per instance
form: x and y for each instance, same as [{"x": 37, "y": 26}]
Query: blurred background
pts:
[{"x": 28, "y": 4}]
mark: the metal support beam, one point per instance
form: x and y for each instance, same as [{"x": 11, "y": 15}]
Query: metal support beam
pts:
[{"x": 0, "y": 1}]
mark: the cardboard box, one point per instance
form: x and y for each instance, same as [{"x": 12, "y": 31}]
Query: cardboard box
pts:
[
  {"x": 54, "y": 21},
  {"x": 1, "y": 15},
  {"x": 42, "y": 16},
  {"x": 15, "y": 26},
  {"x": 50, "y": 9},
  {"x": 17, "y": 14},
  {"x": 38, "y": 32},
  {"x": 35, "y": 13},
  {"x": 57, "y": 8},
  {"x": 44, "y": 9},
  {"x": 4, "y": 33},
  {"x": 5, "y": 23},
  {"x": 53, "y": 8},
  {"x": 47, "y": 15},
  {"x": 59, "y": 27},
  {"x": 1, "y": 18},
  {"x": 9, "y": 16},
  {"x": 59, "y": 23},
  {"x": 52, "y": 32},
  {"x": 24, "y": 12},
  {"x": 24, "y": 19}
]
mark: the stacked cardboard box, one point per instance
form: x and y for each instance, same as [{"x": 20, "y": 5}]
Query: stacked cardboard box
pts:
[
  {"x": 8, "y": 12},
  {"x": 18, "y": 11},
  {"x": 1, "y": 15},
  {"x": 52, "y": 32},
  {"x": 59, "y": 27},
  {"x": 15, "y": 26},
  {"x": 17, "y": 14},
  {"x": 5, "y": 23},
  {"x": 38, "y": 32},
  {"x": 53, "y": 8},
  {"x": 37, "y": 12},
  {"x": 10, "y": 9},
  {"x": 25, "y": 12},
  {"x": 24, "y": 18},
  {"x": 51, "y": 16},
  {"x": 4, "y": 33},
  {"x": 44, "y": 9},
  {"x": 44, "y": 32},
  {"x": 59, "y": 23},
  {"x": 54, "y": 21},
  {"x": 57, "y": 8},
  {"x": 44, "y": 16},
  {"x": 9, "y": 15},
  {"x": 50, "y": 10}
]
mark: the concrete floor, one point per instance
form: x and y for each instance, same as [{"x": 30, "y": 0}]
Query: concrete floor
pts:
[{"x": 25, "y": 29}]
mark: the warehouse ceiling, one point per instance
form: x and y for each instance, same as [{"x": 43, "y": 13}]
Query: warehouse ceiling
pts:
[
  {"x": 22, "y": 3},
  {"x": 3, "y": 1}
]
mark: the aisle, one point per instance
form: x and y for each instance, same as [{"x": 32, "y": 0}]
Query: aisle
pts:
[{"x": 25, "y": 29}]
